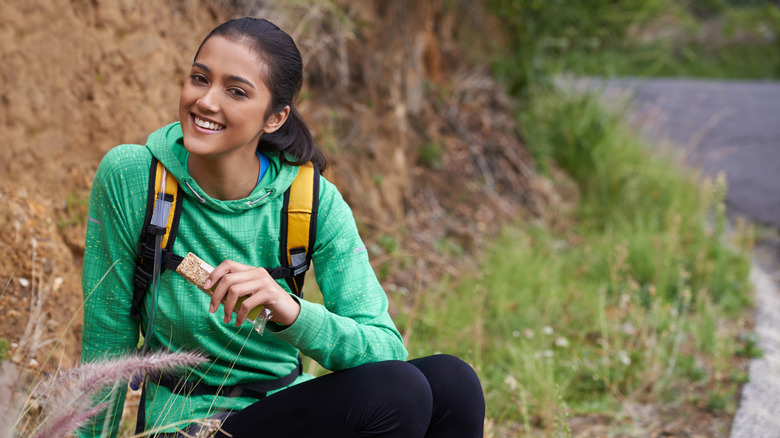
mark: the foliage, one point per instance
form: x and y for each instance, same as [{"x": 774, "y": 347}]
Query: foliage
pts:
[
  {"x": 633, "y": 301},
  {"x": 712, "y": 38},
  {"x": 4, "y": 347},
  {"x": 540, "y": 32},
  {"x": 75, "y": 209}
]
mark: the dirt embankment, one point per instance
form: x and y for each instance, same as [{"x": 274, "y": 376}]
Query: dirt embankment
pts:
[
  {"x": 78, "y": 77},
  {"x": 423, "y": 145}
]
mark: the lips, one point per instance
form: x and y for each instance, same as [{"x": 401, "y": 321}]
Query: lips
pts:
[{"x": 208, "y": 125}]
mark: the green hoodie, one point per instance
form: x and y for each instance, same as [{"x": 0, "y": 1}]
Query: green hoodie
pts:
[{"x": 352, "y": 328}]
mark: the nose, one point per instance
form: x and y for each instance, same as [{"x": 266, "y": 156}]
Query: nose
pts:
[{"x": 208, "y": 101}]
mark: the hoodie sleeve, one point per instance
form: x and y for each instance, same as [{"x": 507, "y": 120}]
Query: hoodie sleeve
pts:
[
  {"x": 353, "y": 327},
  {"x": 117, "y": 200}
]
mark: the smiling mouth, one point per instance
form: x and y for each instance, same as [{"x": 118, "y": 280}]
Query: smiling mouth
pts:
[{"x": 211, "y": 126}]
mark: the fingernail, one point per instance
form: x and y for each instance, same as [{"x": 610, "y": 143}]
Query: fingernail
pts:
[
  {"x": 212, "y": 308},
  {"x": 207, "y": 284}
]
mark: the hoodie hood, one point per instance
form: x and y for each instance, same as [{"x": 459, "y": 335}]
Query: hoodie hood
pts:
[{"x": 167, "y": 145}]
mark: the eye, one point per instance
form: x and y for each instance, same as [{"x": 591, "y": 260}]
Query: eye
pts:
[
  {"x": 199, "y": 78},
  {"x": 237, "y": 92}
]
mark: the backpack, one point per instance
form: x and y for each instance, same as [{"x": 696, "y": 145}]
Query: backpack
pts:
[
  {"x": 163, "y": 209},
  {"x": 296, "y": 241}
]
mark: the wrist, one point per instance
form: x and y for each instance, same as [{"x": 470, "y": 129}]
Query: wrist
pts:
[{"x": 287, "y": 313}]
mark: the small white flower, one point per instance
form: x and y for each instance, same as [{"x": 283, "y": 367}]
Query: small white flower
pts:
[
  {"x": 516, "y": 333},
  {"x": 528, "y": 333},
  {"x": 547, "y": 330},
  {"x": 623, "y": 358},
  {"x": 629, "y": 329},
  {"x": 562, "y": 342},
  {"x": 511, "y": 382}
]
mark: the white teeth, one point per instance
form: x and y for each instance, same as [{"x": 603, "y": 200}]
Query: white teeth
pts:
[{"x": 208, "y": 125}]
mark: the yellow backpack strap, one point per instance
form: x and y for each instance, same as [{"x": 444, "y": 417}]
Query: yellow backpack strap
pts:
[
  {"x": 163, "y": 208},
  {"x": 299, "y": 225},
  {"x": 165, "y": 211}
]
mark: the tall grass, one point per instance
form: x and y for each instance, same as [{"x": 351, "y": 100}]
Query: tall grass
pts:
[{"x": 629, "y": 305}]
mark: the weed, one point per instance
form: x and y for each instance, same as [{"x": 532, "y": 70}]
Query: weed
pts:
[
  {"x": 749, "y": 347},
  {"x": 429, "y": 154},
  {"x": 75, "y": 210},
  {"x": 718, "y": 400},
  {"x": 5, "y": 345},
  {"x": 388, "y": 242}
]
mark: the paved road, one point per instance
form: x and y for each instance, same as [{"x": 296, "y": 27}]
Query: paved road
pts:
[
  {"x": 731, "y": 127},
  {"x": 728, "y": 126}
]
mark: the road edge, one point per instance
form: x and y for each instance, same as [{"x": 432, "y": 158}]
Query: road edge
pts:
[{"x": 758, "y": 414}]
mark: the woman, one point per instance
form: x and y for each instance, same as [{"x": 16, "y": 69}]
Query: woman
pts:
[{"x": 235, "y": 151}]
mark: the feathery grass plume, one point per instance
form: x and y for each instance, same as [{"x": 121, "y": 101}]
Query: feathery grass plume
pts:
[{"x": 67, "y": 397}]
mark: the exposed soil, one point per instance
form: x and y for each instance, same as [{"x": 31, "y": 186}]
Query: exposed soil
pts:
[{"x": 78, "y": 77}]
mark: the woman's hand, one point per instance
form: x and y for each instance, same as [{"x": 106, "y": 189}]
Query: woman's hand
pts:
[{"x": 234, "y": 280}]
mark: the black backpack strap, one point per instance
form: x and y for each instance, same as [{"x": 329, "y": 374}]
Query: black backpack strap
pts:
[
  {"x": 140, "y": 419},
  {"x": 298, "y": 227},
  {"x": 258, "y": 389},
  {"x": 172, "y": 199},
  {"x": 145, "y": 262}
]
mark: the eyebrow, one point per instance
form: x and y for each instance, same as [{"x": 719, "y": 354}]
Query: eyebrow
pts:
[{"x": 230, "y": 77}]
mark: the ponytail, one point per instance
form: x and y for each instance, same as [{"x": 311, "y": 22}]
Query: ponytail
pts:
[{"x": 293, "y": 142}]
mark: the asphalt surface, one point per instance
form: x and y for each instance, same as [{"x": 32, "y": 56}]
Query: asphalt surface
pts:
[
  {"x": 719, "y": 126},
  {"x": 731, "y": 127}
]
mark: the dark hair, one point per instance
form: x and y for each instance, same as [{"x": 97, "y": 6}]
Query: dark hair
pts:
[{"x": 284, "y": 78}]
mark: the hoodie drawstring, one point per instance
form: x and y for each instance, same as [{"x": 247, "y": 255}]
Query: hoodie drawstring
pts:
[
  {"x": 202, "y": 201},
  {"x": 251, "y": 203}
]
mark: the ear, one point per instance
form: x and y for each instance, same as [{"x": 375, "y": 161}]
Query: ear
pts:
[{"x": 276, "y": 120}]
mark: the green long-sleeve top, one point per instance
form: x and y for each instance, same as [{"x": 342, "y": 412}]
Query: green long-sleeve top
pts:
[{"x": 353, "y": 326}]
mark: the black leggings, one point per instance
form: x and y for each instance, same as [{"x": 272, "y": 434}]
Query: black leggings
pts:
[{"x": 434, "y": 396}]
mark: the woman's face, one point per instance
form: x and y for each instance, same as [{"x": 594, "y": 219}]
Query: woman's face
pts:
[{"x": 224, "y": 101}]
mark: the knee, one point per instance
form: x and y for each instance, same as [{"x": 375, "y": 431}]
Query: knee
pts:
[
  {"x": 446, "y": 371},
  {"x": 405, "y": 380},
  {"x": 455, "y": 386},
  {"x": 396, "y": 397}
]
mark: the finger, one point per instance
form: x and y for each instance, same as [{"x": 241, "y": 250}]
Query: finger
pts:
[
  {"x": 235, "y": 289},
  {"x": 248, "y": 305},
  {"x": 217, "y": 292},
  {"x": 240, "y": 285},
  {"x": 251, "y": 289}
]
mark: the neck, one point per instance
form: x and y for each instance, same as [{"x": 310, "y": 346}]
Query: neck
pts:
[{"x": 225, "y": 178}]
